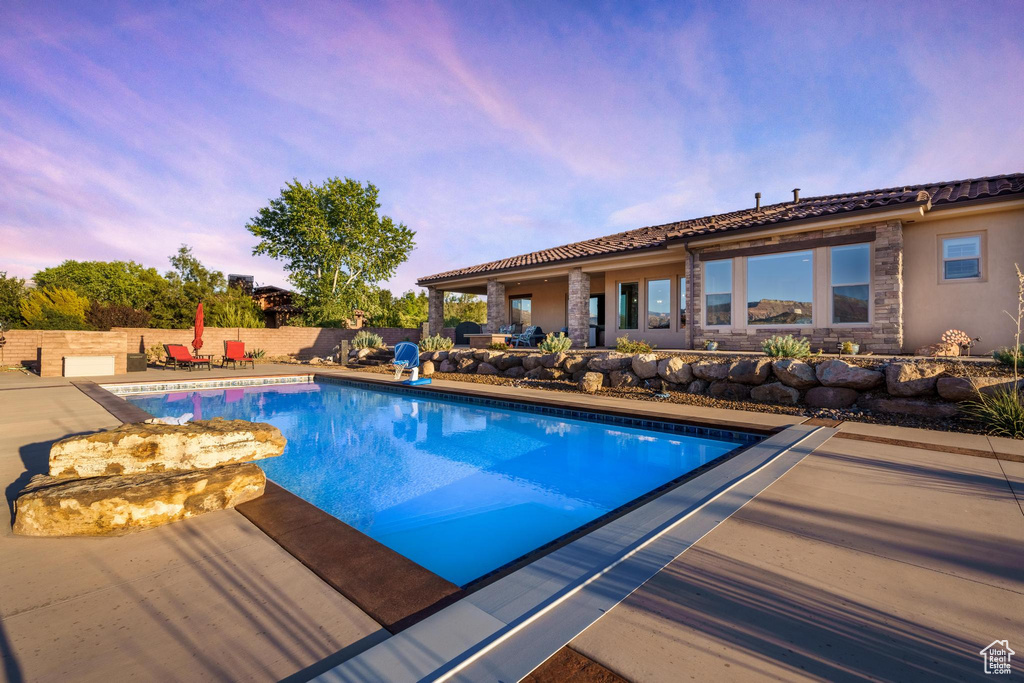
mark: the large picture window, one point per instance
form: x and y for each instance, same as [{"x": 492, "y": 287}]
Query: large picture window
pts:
[
  {"x": 961, "y": 258},
  {"x": 718, "y": 292},
  {"x": 780, "y": 288},
  {"x": 659, "y": 304},
  {"x": 629, "y": 305},
  {"x": 519, "y": 312},
  {"x": 851, "y": 283}
]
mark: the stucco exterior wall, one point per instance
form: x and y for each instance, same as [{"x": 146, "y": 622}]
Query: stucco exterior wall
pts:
[
  {"x": 975, "y": 306},
  {"x": 882, "y": 334},
  {"x": 675, "y": 337}
]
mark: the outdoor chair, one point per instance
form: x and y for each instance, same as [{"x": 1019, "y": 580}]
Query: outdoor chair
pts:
[
  {"x": 234, "y": 353},
  {"x": 179, "y": 356},
  {"x": 526, "y": 338}
]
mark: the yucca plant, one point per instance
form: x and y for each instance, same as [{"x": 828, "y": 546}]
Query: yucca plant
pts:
[
  {"x": 1001, "y": 413},
  {"x": 555, "y": 343},
  {"x": 257, "y": 354},
  {"x": 778, "y": 346},
  {"x": 1008, "y": 356},
  {"x": 367, "y": 340},
  {"x": 436, "y": 343}
]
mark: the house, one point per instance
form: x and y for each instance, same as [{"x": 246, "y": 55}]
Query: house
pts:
[
  {"x": 276, "y": 304},
  {"x": 890, "y": 269}
]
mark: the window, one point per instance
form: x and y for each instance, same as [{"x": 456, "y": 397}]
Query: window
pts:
[
  {"x": 659, "y": 304},
  {"x": 851, "y": 278},
  {"x": 682, "y": 302},
  {"x": 519, "y": 312},
  {"x": 780, "y": 288},
  {"x": 961, "y": 257},
  {"x": 718, "y": 292},
  {"x": 629, "y": 305}
]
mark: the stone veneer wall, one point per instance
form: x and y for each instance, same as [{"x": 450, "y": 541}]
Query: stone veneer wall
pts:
[
  {"x": 579, "y": 307},
  {"x": 495, "y": 305},
  {"x": 883, "y": 335}
]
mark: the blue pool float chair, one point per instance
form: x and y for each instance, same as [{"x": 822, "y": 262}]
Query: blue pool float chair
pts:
[{"x": 407, "y": 357}]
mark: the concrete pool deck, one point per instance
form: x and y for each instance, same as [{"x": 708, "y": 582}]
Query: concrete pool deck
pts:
[{"x": 865, "y": 559}]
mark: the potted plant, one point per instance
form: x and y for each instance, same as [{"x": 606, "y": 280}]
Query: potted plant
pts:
[{"x": 710, "y": 345}]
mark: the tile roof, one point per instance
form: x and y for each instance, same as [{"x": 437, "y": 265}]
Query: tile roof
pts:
[{"x": 808, "y": 208}]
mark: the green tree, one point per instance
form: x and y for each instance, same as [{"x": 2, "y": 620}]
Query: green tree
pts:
[
  {"x": 235, "y": 308},
  {"x": 412, "y": 309},
  {"x": 56, "y": 308},
  {"x": 174, "y": 304},
  {"x": 12, "y": 293},
  {"x": 124, "y": 283},
  {"x": 334, "y": 243},
  {"x": 462, "y": 307}
]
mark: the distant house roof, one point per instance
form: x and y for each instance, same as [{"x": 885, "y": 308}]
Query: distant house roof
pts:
[
  {"x": 772, "y": 215},
  {"x": 268, "y": 289}
]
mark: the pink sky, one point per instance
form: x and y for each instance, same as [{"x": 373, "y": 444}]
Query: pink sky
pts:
[{"x": 127, "y": 129}]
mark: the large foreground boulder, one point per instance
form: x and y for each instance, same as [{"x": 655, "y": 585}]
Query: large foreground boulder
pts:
[
  {"x": 795, "y": 373},
  {"x": 709, "y": 370},
  {"x": 775, "y": 392},
  {"x": 732, "y": 391},
  {"x": 750, "y": 370},
  {"x": 911, "y": 379},
  {"x": 967, "y": 388},
  {"x": 112, "y": 506},
  {"x": 591, "y": 382},
  {"x": 645, "y": 365},
  {"x": 146, "y": 448},
  {"x": 623, "y": 379},
  {"x": 907, "y": 406},
  {"x": 674, "y": 370},
  {"x": 838, "y": 373},
  {"x": 831, "y": 397},
  {"x": 613, "y": 360}
]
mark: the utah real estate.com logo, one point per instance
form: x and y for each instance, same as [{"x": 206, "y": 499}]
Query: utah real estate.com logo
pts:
[{"x": 997, "y": 657}]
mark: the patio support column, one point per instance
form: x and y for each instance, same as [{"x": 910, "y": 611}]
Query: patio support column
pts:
[
  {"x": 495, "y": 305},
  {"x": 435, "y": 310},
  {"x": 579, "y": 307}
]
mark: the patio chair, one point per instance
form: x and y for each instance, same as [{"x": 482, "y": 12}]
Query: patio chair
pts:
[
  {"x": 234, "y": 353},
  {"x": 179, "y": 356},
  {"x": 526, "y": 338},
  {"x": 407, "y": 357}
]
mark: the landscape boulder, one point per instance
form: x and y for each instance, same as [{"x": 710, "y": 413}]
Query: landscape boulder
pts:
[
  {"x": 732, "y": 391},
  {"x": 439, "y": 356},
  {"x": 144, "y": 448},
  {"x": 697, "y": 386},
  {"x": 447, "y": 365},
  {"x": 466, "y": 365},
  {"x": 620, "y": 379},
  {"x": 775, "y": 392},
  {"x": 508, "y": 360},
  {"x": 967, "y": 388},
  {"x": 545, "y": 373},
  {"x": 591, "y": 382},
  {"x": 838, "y": 373},
  {"x": 532, "y": 361},
  {"x": 645, "y": 365},
  {"x": 907, "y": 406},
  {"x": 942, "y": 349},
  {"x": 553, "y": 360},
  {"x": 911, "y": 379},
  {"x": 675, "y": 370},
  {"x": 427, "y": 368},
  {"x": 613, "y": 360},
  {"x": 574, "y": 364},
  {"x": 830, "y": 397},
  {"x": 116, "y": 505},
  {"x": 795, "y": 373},
  {"x": 515, "y": 372},
  {"x": 486, "y": 369},
  {"x": 710, "y": 371},
  {"x": 750, "y": 370}
]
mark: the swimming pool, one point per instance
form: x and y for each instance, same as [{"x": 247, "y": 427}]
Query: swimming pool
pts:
[{"x": 460, "y": 486}]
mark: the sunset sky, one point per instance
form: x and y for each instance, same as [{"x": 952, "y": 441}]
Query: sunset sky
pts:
[{"x": 129, "y": 128}]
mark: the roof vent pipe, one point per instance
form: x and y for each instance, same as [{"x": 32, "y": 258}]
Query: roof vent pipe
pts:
[
  {"x": 757, "y": 201},
  {"x": 796, "y": 194}
]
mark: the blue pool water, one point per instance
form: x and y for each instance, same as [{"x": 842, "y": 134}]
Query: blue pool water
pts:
[{"x": 461, "y": 488}]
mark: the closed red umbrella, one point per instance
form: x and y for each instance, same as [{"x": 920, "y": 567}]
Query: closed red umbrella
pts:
[{"x": 197, "y": 343}]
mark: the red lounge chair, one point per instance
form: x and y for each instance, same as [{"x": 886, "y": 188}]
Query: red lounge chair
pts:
[
  {"x": 178, "y": 355},
  {"x": 234, "y": 353}
]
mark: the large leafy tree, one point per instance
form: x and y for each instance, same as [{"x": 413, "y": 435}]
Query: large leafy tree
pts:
[
  {"x": 55, "y": 308},
  {"x": 463, "y": 307},
  {"x": 334, "y": 243},
  {"x": 12, "y": 292},
  {"x": 124, "y": 283},
  {"x": 188, "y": 283}
]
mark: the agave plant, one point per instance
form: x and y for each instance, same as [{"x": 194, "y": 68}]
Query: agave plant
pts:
[
  {"x": 555, "y": 343},
  {"x": 367, "y": 340},
  {"x": 436, "y": 343}
]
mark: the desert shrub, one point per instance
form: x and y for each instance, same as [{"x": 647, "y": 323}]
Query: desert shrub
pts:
[
  {"x": 105, "y": 316},
  {"x": 1007, "y": 356},
  {"x": 555, "y": 343},
  {"x": 436, "y": 342},
  {"x": 256, "y": 353},
  {"x": 1001, "y": 413},
  {"x": 847, "y": 347},
  {"x": 498, "y": 346},
  {"x": 237, "y": 312},
  {"x": 155, "y": 353},
  {"x": 624, "y": 344},
  {"x": 778, "y": 346},
  {"x": 58, "y": 308},
  {"x": 365, "y": 339}
]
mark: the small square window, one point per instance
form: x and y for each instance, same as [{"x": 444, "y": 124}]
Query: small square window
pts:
[{"x": 961, "y": 257}]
